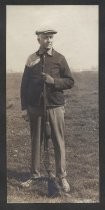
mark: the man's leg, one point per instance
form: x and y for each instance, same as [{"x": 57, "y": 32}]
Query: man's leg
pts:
[
  {"x": 57, "y": 126},
  {"x": 36, "y": 134},
  {"x": 35, "y": 125}
]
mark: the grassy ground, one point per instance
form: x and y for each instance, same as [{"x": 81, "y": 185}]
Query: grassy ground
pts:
[{"x": 82, "y": 144}]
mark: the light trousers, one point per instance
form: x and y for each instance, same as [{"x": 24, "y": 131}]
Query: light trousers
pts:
[{"x": 56, "y": 119}]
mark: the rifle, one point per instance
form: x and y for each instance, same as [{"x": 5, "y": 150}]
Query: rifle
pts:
[
  {"x": 46, "y": 124},
  {"x": 54, "y": 188}
]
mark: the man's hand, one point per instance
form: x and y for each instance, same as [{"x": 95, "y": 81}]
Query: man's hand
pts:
[
  {"x": 25, "y": 115},
  {"x": 47, "y": 78}
]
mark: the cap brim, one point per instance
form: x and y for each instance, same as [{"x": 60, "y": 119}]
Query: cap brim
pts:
[{"x": 46, "y": 32}]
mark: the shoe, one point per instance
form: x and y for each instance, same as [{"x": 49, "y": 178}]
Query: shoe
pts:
[
  {"x": 28, "y": 182},
  {"x": 64, "y": 184},
  {"x": 35, "y": 176}
]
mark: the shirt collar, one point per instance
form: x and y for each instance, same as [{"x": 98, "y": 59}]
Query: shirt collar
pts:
[{"x": 41, "y": 51}]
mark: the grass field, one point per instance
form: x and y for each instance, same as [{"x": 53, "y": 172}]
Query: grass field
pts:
[{"x": 81, "y": 138}]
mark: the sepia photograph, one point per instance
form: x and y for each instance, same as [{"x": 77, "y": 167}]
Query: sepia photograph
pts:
[{"x": 52, "y": 107}]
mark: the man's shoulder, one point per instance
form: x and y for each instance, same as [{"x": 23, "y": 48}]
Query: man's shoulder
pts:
[
  {"x": 58, "y": 54},
  {"x": 31, "y": 56},
  {"x": 32, "y": 59}
]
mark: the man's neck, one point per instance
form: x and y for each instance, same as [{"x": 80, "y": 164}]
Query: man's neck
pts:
[{"x": 44, "y": 50}]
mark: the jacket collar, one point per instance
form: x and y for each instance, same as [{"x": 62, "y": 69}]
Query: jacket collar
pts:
[{"x": 41, "y": 51}]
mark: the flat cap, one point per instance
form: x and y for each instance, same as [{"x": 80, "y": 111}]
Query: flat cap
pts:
[{"x": 45, "y": 31}]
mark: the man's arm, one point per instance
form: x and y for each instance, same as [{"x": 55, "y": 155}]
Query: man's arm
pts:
[{"x": 66, "y": 81}]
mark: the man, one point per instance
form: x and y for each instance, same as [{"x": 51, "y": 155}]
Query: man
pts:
[{"x": 57, "y": 77}]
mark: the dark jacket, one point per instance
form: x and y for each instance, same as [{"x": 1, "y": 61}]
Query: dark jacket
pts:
[{"x": 32, "y": 84}]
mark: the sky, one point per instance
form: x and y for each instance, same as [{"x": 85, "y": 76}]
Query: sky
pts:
[{"x": 77, "y": 37}]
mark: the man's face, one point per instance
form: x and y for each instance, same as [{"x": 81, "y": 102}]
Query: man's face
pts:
[{"x": 46, "y": 40}]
